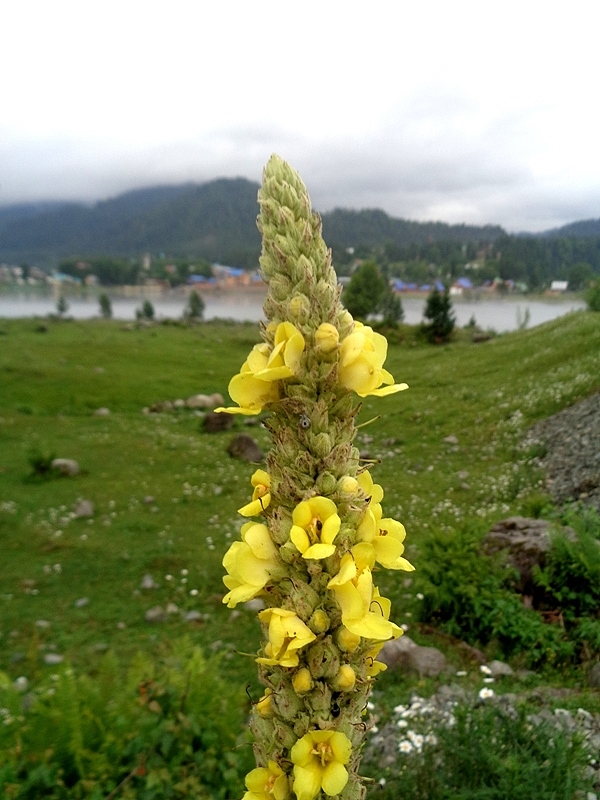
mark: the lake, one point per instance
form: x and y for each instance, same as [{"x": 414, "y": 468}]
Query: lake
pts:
[{"x": 500, "y": 314}]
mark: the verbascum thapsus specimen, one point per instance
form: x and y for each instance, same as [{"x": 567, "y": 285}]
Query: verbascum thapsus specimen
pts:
[{"x": 318, "y": 527}]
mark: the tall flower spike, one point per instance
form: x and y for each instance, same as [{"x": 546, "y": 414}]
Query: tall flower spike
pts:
[{"x": 322, "y": 527}]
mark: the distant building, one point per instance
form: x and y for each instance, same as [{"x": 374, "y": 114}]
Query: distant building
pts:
[{"x": 559, "y": 286}]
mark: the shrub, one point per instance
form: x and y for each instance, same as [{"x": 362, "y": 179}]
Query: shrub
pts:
[
  {"x": 592, "y": 296},
  {"x": 169, "y": 730},
  {"x": 195, "y": 307},
  {"x": 438, "y": 310},
  {"x": 146, "y": 311},
  {"x": 105, "y": 306}
]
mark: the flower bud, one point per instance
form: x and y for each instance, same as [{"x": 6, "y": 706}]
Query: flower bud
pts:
[
  {"x": 300, "y": 307},
  {"x": 319, "y": 622},
  {"x": 302, "y": 681},
  {"x": 321, "y": 445},
  {"x": 326, "y": 338},
  {"x": 347, "y": 485},
  {"x": 347, "y": 641},
  {"x": 265, "y": 704},
  {"x": 345, "y": 680},
  {"x": 325, "y": 484}
]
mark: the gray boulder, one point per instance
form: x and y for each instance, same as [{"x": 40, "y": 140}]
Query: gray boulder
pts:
[
  {"x": 83, "y": 508},
  {"x": 244, "y": 447},
  {"x": 66, "y": 466},
  {"x": 403, "y": 654}
]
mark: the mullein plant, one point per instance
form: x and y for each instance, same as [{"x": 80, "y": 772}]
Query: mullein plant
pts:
[{"x": 316, "y": 533}]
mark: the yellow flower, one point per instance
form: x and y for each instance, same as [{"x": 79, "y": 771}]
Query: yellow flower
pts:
[
  {"x": 315, "y": 525},
  {"x": 381, "y": 540},
  {"x": 362, "y": 354},
  {"x": 267, "y": 783},
  {"x": 250, "y": 564},
  {"x": 359, "y": 602},
  {"x": 319, "y": 760},
  {"x": 249, "y": 392},
  {"x": 284, "y": 360},
  {"x": 384, "y": 606},
  {"x": 287, "y": 635},
  {"x": 264, "y": 706},
  {"x": 255, "y": 385},
  {"x": 261, "y": 496}
]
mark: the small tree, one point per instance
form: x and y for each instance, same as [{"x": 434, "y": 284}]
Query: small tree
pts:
[
  {"x": 105, "y": 306},
  {"x": 369, "y": 293},
  {"x": 592, "y": 296},
  {"x": 439, "y": 311},
  {"x": 146, "y": 311},
  {"x": 62, "y": 306},
  {"x": 195, "y": 307}
]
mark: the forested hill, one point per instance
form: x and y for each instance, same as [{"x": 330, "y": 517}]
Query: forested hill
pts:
[
  {"x": 583, "y": 228},
  {"x": 215, "y": 221}
]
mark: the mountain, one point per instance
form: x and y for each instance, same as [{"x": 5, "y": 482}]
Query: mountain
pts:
[{"x": 582, "y": 229}]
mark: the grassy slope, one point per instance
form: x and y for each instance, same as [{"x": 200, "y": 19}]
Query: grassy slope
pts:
[{"x": 484, "y": 395}]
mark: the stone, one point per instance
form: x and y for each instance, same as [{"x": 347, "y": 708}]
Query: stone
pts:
[
  {"x": 244, "y": 447},
  {"x": 216, "y": 423},
  {"x": 526, "y": 541},
  {"x": 148, "y": 582},
  {"x": 172, "y": 608},
  {"x": 156, "y": 614},
  {"x": 498, "y": 669},
  {"x": 160, "y": 407},
  {"x": 82, "y": 602},
  {"x": 148, "y": 499},
  {"x": 102, "y": 412},
  {"x": 179, "y": 403},
  {"x": 215, "y": 400},
  {"x": 450, "y": 439},
  {"x": 198, "y": 401},
  {"x": 53, "y": 658},
  {"x": 594, "y": 676},
  {"x": 404, "y": 654},
  {"x": 42, "y": 623},
  {"x": 193, "y": 616},
  {"x": 66, "y": 466},
  {"x": 83, "y": 508}
]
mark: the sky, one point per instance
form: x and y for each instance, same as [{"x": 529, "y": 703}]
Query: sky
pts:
[{"x": 474, "y": 112}]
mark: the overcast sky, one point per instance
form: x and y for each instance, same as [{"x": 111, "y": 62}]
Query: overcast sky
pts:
[{"x": 460, "y": 111}]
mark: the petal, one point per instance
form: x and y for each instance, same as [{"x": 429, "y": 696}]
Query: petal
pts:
[
  {"x": 260, "y": 478},
  {"x": 397, "y": 387},
  {"x": 335, "y": 777},
  {"x": 341, "y": 746},
  {"x": 307, "y": 782},
  {"x": 318, "y": 551},
  {"x": 322, "y": 507},
  {"x": 302, "y": 515},
  {"x": 256, "y": 779},
  {"x": 241, "y": 594},
  {"x": 300, "y": 538},
  {"x": 301, "y": 751},
  {"x": 250, "y": 393},
  {"x": 330, "y": 528},
  {"x": 252, "y": 509},
  {"x": 259, "y": 540},
  {"x": 350, "y": 602},
  {"x": 347, "y": 572},
  {"x": 281, "y": 787}
]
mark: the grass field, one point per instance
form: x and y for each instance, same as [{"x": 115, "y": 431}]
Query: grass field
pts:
[{"x": 450, "y": 451}]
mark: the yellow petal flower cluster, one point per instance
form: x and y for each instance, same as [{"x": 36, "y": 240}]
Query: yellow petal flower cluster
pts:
[
  {"x": 319, "y": 759},
  {"x": 315, "y": 525},
  {"x": 267, "y": 783},
  {"x": 261, "y": 496},
  {"x": 255, "y": 386},
  {"x": 381, "y": 540},
  {"x": 287, "y": 635},
  {"x": 359, "y": 601},
  {"x": 362, "y": 354},
  {"x": 250, "y": 564}
]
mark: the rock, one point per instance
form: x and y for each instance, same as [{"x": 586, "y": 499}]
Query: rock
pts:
[
  {"x": 450, "y": 439},
  {"x": 594, "y": 676},
  {"x": 82, "y": 602},
  {"x": 498, "y": 669},
  {"x": 215, "y": 423},
  {"x": 172, "y": 608},
  {"x": 42, "y": 623},
  {"x": 179, "y": 403},
  {"x": 21, "y": 684},
  {"x": 159, "y": 408},
  {"x": 394, "y": 651},
  {"x": 527, "y": 541},
  {"x": 156, "y": 614},
  {"x": 405, "y": 655},
  {"x": 244, "y": 447},
  {"x": 83, "y": 508},
  {"x": 148, "y": 582},
  {"x": 148, "y": 499},
  {"x": 102, "y": 412},
  {"x": 198, "y": 401},
  {"x": 53, "y": 658},
  {"x": 216, "y": 399},
  {"x": 66, "y": 466},
  {"x": 193, "y": 616}
]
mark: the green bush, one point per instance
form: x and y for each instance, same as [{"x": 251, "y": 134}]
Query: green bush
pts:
[
  {"x": 438, "y": 310},
  {"x": 468, "y": 595},
  {"x": 592, "y": 296},
  {"x": 489, "y": 754},
  {"x": 168, "y": 730}
]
